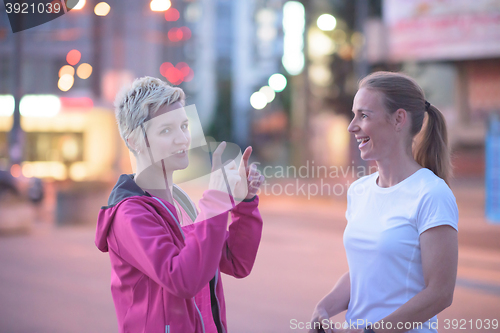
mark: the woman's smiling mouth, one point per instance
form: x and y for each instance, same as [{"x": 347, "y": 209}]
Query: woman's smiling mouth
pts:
[{"x": 363, "y": 141}]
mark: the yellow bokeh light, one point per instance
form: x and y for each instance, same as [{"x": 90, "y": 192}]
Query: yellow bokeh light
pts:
[
  {"x": 160, "y": 5},
  {"x": 78, "y": 171},
  {"x": 102, "y": 9},
  {"x": 28, "y": 170},
  {"x": 84, "y": 71},
  {"x": 66, "y": 82},
  {"x": 66, "y": 69}
]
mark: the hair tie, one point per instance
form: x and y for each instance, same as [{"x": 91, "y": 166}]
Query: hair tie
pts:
[{"x": 427, "y": 106}]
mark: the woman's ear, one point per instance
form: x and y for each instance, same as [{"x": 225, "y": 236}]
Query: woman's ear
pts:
[
  {"x": 399, "y": 118},
  {"x": 132, "y": 145}
]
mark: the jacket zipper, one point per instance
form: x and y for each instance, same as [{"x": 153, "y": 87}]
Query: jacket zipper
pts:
[
  {"x": 184, "y": 237},
  {"x": 217, "y": 299}
]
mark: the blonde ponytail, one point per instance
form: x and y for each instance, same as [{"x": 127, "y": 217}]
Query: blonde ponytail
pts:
[{"x": 432, "y": 151}]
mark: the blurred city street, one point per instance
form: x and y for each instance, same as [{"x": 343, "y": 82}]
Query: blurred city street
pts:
[{"x": 55, "y": 280}]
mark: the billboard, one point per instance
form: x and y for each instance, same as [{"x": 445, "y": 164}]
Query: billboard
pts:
[{"x": 442, "y": 29}]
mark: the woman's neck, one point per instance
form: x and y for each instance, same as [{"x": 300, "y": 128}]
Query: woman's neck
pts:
[
  {"x": 152, "y": 179},
  {"x": 392, "y": 171}
]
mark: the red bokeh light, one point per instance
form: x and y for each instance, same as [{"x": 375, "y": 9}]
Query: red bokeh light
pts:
[
  {"x": 178, "y": 74},
  {"x": 172, "y": 15},
  {"x": 189, "y": 76},
  {"x": 164, "y": 67},
  {"x": 76, "y": 102},
  {"x": 186, "y": 33},
  {"x": 15, "y": 170},
  {"x": 178, "y": 34},
  {"x": 73, "y": 57},
  {"x": 173, "y": 35}
]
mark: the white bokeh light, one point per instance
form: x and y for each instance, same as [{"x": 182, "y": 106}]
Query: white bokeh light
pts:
[
  {"x": 40, "y": 105},
  {"x": 326, "y": 22},
  {"x": 258, "y": 100},
  {"x": 268, "y": 92},
  {"x": 277, "y": 82}
]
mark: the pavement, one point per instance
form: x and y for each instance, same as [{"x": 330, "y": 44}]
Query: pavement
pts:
[{"x": 55, "y": 280}]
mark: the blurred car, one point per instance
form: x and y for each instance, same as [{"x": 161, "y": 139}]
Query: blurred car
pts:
[{"x": 18, "y": 200}]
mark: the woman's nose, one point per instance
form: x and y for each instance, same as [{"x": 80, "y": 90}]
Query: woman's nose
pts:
[
  {"x": 181, "y": 138},
  {"x": 353, "y": 127}
]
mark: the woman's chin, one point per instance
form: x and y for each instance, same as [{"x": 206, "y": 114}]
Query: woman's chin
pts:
[
  {"x": 182, "y": 166},
  {"x": 366, "y": 156}
]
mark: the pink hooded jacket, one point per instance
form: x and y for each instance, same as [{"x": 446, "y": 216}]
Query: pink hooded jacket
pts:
[{"x": 157, "y": 267}]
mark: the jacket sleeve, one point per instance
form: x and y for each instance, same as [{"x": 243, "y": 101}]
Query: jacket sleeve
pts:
[
  {"x": 146, "y": 244},
  {"x": 242, "y": 240}
]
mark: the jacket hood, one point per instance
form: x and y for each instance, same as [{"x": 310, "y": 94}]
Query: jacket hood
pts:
[{"x": 125, "y": 188}]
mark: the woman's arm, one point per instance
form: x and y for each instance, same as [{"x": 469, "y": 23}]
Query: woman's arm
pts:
[
  {"x": 334, "y": 302},
  {"x": 245, "y": 230},
  {"x": 439, "y": 247},
  {"x": 242, "y": 239}
]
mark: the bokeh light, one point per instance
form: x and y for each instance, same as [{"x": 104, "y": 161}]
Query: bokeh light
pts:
[
  {"x": 28, "y": 170},
  {"x": 160, "y": 5},
  {"x": 102, "y": 9},
  {"x": 172, "y": 15},
  {"x": 178, "y": 34},
  {"x": 84, "y": 71},
  {"x": 186, "y": 33},
  {"x": 175, "y": 34},
  {"x": 40, "y": 105},
  {"x": 293, "y": 37},
  {"x": 326, "y": 22},
  {"x": 80, "y": 4},
  {"x": 65, "y": 82},
  {"x": 178, "y": 73},
  {"x": 15, "y": 170},
  {"x": 258, "y": 100},
  {"x": 268, "y": 92},
  {"x": 73, "y": 57},
  {"x": 7, "y": 105},
  {"x": 277, "y": 82},
  {"x": 67, "y": 69},
  {"x": 78, "y": 171}
]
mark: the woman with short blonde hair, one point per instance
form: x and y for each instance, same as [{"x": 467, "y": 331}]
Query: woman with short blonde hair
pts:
[{"x": 166, "y": 254}]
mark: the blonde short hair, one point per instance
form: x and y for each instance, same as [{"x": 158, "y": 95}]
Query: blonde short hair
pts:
[{"x": 135, "y": 104}]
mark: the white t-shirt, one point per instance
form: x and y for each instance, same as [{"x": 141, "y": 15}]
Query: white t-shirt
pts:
[{"x": 382, "y": 241}]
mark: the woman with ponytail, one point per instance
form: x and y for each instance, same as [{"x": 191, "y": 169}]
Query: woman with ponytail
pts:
[{"x": 401, "y": 236}]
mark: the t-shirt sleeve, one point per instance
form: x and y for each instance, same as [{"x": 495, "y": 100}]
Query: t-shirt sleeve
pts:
[{"x": 438, "y": 207}]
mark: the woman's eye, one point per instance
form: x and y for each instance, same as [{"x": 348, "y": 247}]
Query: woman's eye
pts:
[
  {"x": 184, "y": 126},
  {"x": 166, "y": 130}
]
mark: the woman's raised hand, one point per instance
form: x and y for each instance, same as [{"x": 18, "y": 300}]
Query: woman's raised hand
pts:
[
  {"x": 251, "y": 174},
  {"x": 217, "y": 181}
]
